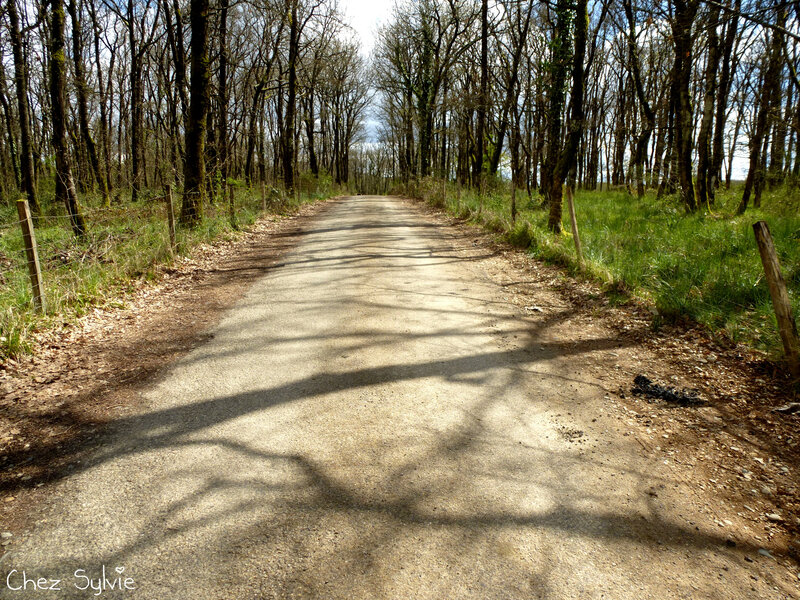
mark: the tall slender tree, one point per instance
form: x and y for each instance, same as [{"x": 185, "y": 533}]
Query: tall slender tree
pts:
[
  {"x": 65, "y": 184},
  {"x": 682, "y": 24},
  {"x": 82, "y": 93},
  {"x": 28, "y": 177},
  {"x": 194, "y": 171}
]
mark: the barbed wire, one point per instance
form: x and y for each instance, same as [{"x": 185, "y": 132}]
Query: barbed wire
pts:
[
  {"x": 99, "y": 241},
  {"x": 110, "y": 218},
  {"x": 11, "y": 225}
]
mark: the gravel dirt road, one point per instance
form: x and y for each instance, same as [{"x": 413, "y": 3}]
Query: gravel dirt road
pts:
[{"x": 373, "y": 419}]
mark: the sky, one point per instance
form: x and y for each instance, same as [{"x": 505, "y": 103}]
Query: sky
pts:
[{"x": 365, "y": 16}]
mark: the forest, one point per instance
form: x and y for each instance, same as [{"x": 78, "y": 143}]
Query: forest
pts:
[
  {"x": 616, "y": 94},
  {"x": 667, "y": 120},
  {"x": 495, "y": 299}
]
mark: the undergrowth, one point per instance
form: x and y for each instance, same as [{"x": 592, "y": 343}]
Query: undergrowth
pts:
[
  {"x": 124, "y": 243},
  {"x": 703, "y": 267}
]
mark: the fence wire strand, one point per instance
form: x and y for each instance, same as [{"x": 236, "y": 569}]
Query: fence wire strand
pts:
[{"x": 107, "y": 228}]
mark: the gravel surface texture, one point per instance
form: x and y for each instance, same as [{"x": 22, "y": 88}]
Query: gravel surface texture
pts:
[{"x": 373, "y": 419}]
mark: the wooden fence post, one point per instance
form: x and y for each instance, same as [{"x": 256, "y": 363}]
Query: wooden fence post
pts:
[
  {"x": 232, "y": 206},
  {"x": 32, "y": 254},
  {"x": 170, "y": 215},
  {"x": 574, "y": 222},
  {"x": 780, "y": 297}
]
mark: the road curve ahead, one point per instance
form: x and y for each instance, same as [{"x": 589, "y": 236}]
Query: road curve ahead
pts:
[{"x": 373, "y": 420}]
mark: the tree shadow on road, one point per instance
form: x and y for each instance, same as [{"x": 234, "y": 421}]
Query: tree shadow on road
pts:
[{"x": 472, "y": 492}]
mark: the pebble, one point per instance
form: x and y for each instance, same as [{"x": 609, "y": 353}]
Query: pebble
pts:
[
  {"x": 774, "y": 517},
  {"x": 764, "y": 552},
  {"x": 6, "y": 535}
]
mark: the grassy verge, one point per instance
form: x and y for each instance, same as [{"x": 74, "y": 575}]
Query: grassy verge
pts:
[
  {"x": 704, "y": 267},
  {"x": 125, "y": 243}
]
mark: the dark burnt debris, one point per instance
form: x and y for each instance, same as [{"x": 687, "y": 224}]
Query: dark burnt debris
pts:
[{"x": 643, "y": 386}]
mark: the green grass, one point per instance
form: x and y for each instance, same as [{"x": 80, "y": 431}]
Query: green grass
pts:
[
  {"x": 704, "y": 267},
  {"x": 124, "y": 243}
]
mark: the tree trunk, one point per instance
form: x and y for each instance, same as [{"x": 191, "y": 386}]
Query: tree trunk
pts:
[
  {"x": 480, "y": 131},
  {"x": 773, "y": 67},
  {"x": 137, "y": 108},
  {"x": 796, "y": 128},
  {"x": 81, "y": 93},
  {"x": 704, "y": 136},
  {"x": 568, "y": 156},
  {"x": 309, "y": 121},
  {"x": 28, "y": 179},
  {"x": 685, "y": 12},
  {"x": 511, "y": 96},
  {"x": 65, "y": 185},
  {"x": 557, "y": 88},
  {"x": 10, "y": 128},
  {"x": 178, "y": 52},
  {"x": 291, "y": 101},
  {"x": 778, "y": 154},
  {"x": 222, "y": 98},
  {"x": 194, "y": 170},
  {"x": 514, "y": 144},
  {"x": 620, "y": 134},
  {"x": 723, "y": 92},
  {"x": 104, "y": 125},
  {"x": 410, "y": 167},
  {"x": 252, "y": 130},
  {"x": 732, "y": 148},
  {"x": 640, "y": 151}
]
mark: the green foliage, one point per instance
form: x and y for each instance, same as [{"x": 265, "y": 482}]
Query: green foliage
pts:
[
  {"x": 216, "y": 186},
  {"x": 520, "y": 234},
  {"x": 704, "y": 267},
  {"x": 317, "y": 187},
  {"x": 124, "y": 243}
]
